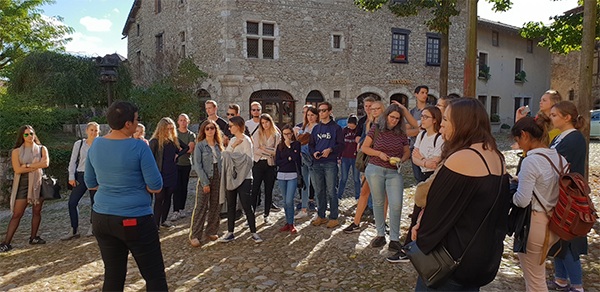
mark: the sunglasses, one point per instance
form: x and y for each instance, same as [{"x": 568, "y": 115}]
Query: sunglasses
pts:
[
  {"x": 209, "y": 128},
  {"x": 230, "y": 115},
  {"x": 323, "y": 110},
  {"x": 255, "y": 109},
  {"x": 28, "y": 134}
]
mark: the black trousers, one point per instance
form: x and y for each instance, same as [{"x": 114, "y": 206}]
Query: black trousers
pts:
[
  {"x": 180, "y": 196},
  {"x": 162, "y": 204},
  {"x": 115, "y": 242},
  {"x": 261, "y": 171},
  {"x": 246, "y": 199}
]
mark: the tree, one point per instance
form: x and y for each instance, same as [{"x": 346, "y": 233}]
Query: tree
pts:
[
  {"x": 25, "y": 29},
  {"x": 441, "y": 11}
]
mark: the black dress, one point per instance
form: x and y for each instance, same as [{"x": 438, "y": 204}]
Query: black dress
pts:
[{"x": 456, "y": 206}]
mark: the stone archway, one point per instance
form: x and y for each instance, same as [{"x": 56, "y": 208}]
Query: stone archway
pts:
[
  {"x": 401, "y": 98},
  {"x": 277, "y": 103},
  {"x": 203, "y": 96},
  {"x": 360, "y": 110},
  {"x": 314, "y": 97}
]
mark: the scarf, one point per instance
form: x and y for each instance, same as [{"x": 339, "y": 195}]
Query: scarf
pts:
[{"x": 28, "y": 155}]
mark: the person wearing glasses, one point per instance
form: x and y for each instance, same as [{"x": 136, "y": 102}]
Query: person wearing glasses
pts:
[
  {"x": 28, "y": 157},
  {"x": 233, "y": 110},
  {"x": 122, "y": 211},
  {"x": 253, "y": 123},
  {"x": 236, "y": 178},
  {"x": 166, "y": 148},
  {"x": 207, "y": 164},
  {"x": 325, "y": 145},
  {"x": 184, "y": 166},
  {"x": 421, "y": 93},
  {"x": 289, "y": 163}
]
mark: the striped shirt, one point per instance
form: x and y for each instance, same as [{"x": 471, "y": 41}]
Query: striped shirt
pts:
[{"x": 389, "y": 143}]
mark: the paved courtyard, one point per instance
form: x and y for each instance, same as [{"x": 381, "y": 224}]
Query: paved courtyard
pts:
[{"x": 314, "y": 259}]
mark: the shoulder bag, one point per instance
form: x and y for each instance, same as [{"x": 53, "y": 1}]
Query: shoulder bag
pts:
[
  {"x": 362, "y": 159},
  {"x": 50, "y": 189},
  {"x": 436, "y": 266},
  {"x": 69, "y": 186}
]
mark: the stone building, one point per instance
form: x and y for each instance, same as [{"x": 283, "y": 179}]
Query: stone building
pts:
[
  {"x": 503, "y": 55},
  {"x": 285, "y": 53},
  {"x": 565, "y": 75}
]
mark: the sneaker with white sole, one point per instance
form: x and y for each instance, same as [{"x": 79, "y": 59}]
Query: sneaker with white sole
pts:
[
  {"x": 399, "y": 257},
  {"x": 182, "y": 214},
  {"x": 256, "y": 238},
  {"x": 352, "y": 228},
  {"x": 90, "y": 231},
  {"x": 228, "y": 237},
  {"x": 5, "y": 247},
  {"x": 268, "y": 220},
  {"x": 70, "y": 235},
  {"x": 301, "y": 214}
]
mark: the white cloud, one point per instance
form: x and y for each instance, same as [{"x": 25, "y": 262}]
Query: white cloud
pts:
[
  {"x": 116, "y": 10},
  {"x": 89, "y": 46},
  {"x": 95, "y": 24}
]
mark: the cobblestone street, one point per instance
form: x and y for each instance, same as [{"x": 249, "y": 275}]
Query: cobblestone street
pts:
[{"x": 316, "y": 258}]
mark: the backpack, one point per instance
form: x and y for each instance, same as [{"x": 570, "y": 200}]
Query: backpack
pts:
[
  {"x": 437, "y": 135},
  {"x": 574, "y": 214}
]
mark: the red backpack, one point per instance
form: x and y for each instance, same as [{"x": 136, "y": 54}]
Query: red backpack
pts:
[{"x": 574, "y": 214}]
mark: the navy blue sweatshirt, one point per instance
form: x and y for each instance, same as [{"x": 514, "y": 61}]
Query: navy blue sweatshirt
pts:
[
  {"x": 288, "y": 159},
  {"x": 325, "y": 136}
]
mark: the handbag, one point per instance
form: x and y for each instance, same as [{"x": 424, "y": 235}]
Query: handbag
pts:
[
  {"x": 519, "y": 221},
  {"x": 50, "y": 189},
  {"x": 362, "y": 159},
  {"x": 436, "y": 266}
]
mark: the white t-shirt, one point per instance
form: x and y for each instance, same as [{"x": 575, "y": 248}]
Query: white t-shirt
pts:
[
  {"x": 426, "y": 147},
  {"x": 214, "y": 151},
  {"x": 251, "y": 125},
  {"x": 245, "y": 147}
]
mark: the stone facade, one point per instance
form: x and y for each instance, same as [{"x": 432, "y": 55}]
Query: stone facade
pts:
[
  {"x": 565, "y": 73},
  {"x": 305, "y": 55},
  {"x": 499, "y": 46}
]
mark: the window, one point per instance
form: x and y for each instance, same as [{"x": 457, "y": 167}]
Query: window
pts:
[
  {"x": 521, "y": 101},
  {"x": 138, "y": 29},
  {"x": 337, "y": 41},
  {"x": 400, "y": 45},
  {"x": 494, "y": 109},
  {"x": 159, "y": 43},
  {"x": 183, "y": 51},
  {"x": 483, "y": 67},
  {"x": 260, "y": 40},
  {"x": 336, "y": 94},
  {"x": 518, "y": 69},
  {"x": 180, "y": 1},
  {"x": 157, "y": 6},
  {"x": 530, "y": 46},
  {"x": 433, "y": 49},
  {"x": 495, "y": 42},
  {"x": 139, "y": 63},
  {"x": 182, "y": 36},
  {"x": 571, "y": 95},
  {"x": 483, "y": 100}
]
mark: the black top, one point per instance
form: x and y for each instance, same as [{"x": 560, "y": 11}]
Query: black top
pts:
[
  {"x": 456, "y": 207},
  {"x": 288, "y": 159},
  {"x": 360, "y": 126}
]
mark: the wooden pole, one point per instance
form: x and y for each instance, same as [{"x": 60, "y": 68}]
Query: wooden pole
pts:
[{"x": 470, "y": 64}]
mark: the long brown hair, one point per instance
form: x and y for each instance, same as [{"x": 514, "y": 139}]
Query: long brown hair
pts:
[
  {"x": 568, "y": 108},
  {"x": 218, "y": 133},
  {"x": 163, "y": 135},
  {"x": 282, "y": 142},
  {"x": 471, "y": 125},
  {"x": 436, "y": 115},
  {"x": 313, "y": 110},
  {"x": 21, "y": 140},
  {"x": 264, "y": 134}
]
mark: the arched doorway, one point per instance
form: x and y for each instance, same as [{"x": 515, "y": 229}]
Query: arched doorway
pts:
[
  {"x": 314, "y": 97},
  {"x": 360, "y": 110},
  {"x": 203, "y": 96},
  {"x": 401, "y": 98},
  {"x": 277, "y": 103},
  {"x": 431, "y": 100}
]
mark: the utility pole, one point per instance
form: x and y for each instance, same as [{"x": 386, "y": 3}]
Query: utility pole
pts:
[{"x": 470, "y": 64}]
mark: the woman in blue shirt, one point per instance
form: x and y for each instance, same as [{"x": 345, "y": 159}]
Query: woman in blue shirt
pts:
[{"x": 123, "y": 171}]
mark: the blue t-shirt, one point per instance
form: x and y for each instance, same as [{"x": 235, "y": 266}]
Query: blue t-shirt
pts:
[{"x": 122, "y": 169}]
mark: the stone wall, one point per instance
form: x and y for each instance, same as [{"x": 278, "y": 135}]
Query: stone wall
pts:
[
  {"x": 304, "y": 59},
  {"x": 565, "y": 75},
  {"x": 6, "y": 177}
]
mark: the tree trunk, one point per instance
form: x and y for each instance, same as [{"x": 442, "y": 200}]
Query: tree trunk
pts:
[
  {"x": 444, "y": 64},
  {"x": 586, "y": 101},
  {"x": 470, "y": 71}
]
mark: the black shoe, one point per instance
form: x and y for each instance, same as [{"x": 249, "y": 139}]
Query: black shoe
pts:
[
  {"x": 36, "y": 240},
  {"x": 379, "y": 241},
  {"x": 368, "y": 212},
  {"x": 352, "y": 228},
  {"x": 274, "y": 208},
  {"x": 394, "y": 246},
  {"x": 5, "y": 247},
  {"x": 399, "y": 257}
]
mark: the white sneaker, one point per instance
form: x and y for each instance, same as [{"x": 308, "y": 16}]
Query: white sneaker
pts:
[
  {"x": 268, "y": 220},
  {"x": 301, "y": 214},
  {"x": 256, "y": 238},
  {"x": 70, "y": 235},
  {"x": 182, "y": 214},
  {"x": 90, "y": 232},
  {"x": 174, "y": 217}
]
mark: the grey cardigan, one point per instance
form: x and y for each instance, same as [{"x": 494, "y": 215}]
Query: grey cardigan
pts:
[
  {"x": 235, "y": 169},
  {"x": 203, "y": 162}
]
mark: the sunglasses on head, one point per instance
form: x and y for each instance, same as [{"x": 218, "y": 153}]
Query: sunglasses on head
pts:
[{"x": 28, "y": 134}]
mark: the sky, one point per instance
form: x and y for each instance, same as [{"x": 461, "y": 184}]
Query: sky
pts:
[{"x": 98, "y": 23}]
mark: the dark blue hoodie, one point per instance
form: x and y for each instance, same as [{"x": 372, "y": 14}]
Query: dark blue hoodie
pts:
[{"x": 325, "y": 136}]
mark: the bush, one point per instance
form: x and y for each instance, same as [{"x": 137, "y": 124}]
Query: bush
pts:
[
  {"x": 505, "y": 126},
  {"x": 495, "y": 118}
]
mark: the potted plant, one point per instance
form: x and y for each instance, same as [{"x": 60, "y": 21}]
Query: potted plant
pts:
[
  {"x": 495, "y": 118},
  {"x": 399, "y": 57},
  {"x": 520, "y": 77},
  {"x": 484, "y": 72}
]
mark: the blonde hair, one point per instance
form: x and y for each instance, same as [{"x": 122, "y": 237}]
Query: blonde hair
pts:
[
  {"x": 210, "y": 101},
  {"x": 93, "y": 124},
  {"x": 256, "y": 103},
  {"x": 264, "y": 134},
  {"x": 164, "y": 135}
]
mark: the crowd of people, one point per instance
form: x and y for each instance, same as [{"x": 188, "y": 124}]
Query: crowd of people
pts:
[{"x": 460, "y": 206}]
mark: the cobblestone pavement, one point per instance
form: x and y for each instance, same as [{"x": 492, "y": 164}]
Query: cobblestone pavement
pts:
[{"x": 314, "y": 259}]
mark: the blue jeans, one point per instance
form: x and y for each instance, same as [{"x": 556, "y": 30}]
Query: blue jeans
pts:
[
  {"x": 568, "y": 268},
  {"x": 324, "y": 179},
  {"x": 288, "y": 187},
  {"x": 347, "y": 164},
  {"x": 306, "y": 176},
  {"x": 76, "y": 195},
  {"x": 382, "y": 180},
  {"x": 449, "y": 285}
]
